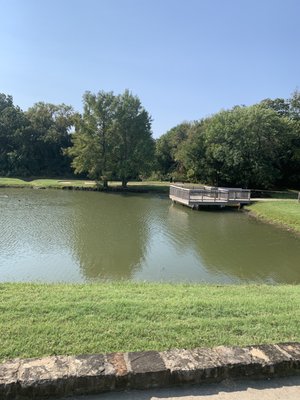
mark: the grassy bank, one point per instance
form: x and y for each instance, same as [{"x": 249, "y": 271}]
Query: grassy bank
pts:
[
  {"x": 38, "y": 320},
  {"x": 284, "y": 212},
  {"x": 149, "y": 186}
]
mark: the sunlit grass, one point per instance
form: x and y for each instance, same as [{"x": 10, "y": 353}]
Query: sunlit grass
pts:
[
  {"x": 39, "y": 320},
  {"x": 282, "y": 212},
  {"x": 79, "y": 183},
  {"x": 12, "y": 182}
]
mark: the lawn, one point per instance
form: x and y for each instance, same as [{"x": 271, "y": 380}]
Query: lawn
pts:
[
  {"x": 155, "y": 186},
  {"x": 281, "y": 212},
  {"x": 39, "y": 319}
]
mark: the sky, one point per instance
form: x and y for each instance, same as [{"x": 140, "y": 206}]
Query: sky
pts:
[{"x": 184, "y": 59}]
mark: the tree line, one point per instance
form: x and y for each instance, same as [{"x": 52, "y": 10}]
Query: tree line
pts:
[{"x": 255, "y": 147}]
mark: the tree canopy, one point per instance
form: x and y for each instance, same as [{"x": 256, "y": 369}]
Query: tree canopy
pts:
[
  {"x": 32, "y": 142},
  {"x": 256, "y": 146},
  {"x": 113, "y": 139}
]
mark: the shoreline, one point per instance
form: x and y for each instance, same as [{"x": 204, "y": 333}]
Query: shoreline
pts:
[
  {"x": 85, "y": 185},
  {"x": 280, "y": 219}
]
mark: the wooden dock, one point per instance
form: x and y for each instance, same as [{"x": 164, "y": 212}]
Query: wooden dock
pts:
[{"x": 209, "y": 196}]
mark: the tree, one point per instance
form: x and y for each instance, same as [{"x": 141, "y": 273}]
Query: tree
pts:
[
  {"x": 281, "y": 106},
  {"x": 113, "y": 138},
  {"x": 12, "y": 123},
  {"x": 289, "y": 108},
  {"x": 244, "y": 146},
  {"x": 92, "y": 141},
  {"x": 294, "y": 103},
  {"x": 191, "y": 154},
  {"x": 248, "y": 144},
  {"x": 133, "y": 148},
  {"x": 46, "y": 138},
  {"x": 169, "y": 165}
]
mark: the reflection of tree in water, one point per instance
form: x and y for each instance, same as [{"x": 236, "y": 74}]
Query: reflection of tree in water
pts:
[
  {"x": 111, "y": 234},
  {"x": 230, "y": 244}
]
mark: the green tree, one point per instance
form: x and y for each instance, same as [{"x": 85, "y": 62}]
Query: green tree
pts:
[
  {"x": 289, "y": 108},
  {"x": 281, "y": 106},
  {"x": 133, "y": 149},
  {"x": 93, "y": 137},
  {"x": 113, "y": 138},
  {"x": 168, "y": 162},
  {"x": 247, "y": 146},
  {"x": 46, "y": 138},
  {"x": 12, "y": 124},
  {"x": 244, "y": 146},
  {"x": 294, "y": 103},
  {"x": 191, "y": 154}
]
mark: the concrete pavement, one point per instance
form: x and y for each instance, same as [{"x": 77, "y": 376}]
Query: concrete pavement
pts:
[{"x": 271, "y": 389}]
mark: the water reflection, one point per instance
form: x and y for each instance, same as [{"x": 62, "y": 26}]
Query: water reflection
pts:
[
  {"x": 111, "y": 234},
  {"x": 48, "y": 235},
  {"x": 233, "y": 244}
]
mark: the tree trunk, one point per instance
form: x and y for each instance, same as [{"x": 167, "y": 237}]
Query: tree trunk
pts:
[{"x": 124, "y": 183}]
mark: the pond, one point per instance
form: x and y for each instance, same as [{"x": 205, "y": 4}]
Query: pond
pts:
[{"x": 71, "y": 236}]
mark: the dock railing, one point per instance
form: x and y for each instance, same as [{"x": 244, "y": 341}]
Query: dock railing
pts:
[{"x": 208, "y": 195}]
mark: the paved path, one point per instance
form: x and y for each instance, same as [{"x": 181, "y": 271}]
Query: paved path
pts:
[{"x": 275, "y": 389}]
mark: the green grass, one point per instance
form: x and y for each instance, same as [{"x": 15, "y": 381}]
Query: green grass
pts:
[
  {"x": 39, "y": 319},
  {"x": 12, "y": 182},
  {"x": 282, "y": 212},
  {"x": 45, "y": 183},
  {"x": 155, "y": 186}
]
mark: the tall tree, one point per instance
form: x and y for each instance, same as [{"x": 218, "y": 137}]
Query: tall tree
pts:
[
  {"x": 12, "y": 124},
  {"x": 113, "y": 138},
  {"x": 245, "y": 146},
  {"x": 45, "y": 140},
  {"x": 169, "y": 164},
  {"x": 191, "y": 154},
  {"x": 294, "y": 102},
  {"x": 133, "y": 148},
  {"x": 289, "y": 108},
  {"x": 92, "y": 140}
]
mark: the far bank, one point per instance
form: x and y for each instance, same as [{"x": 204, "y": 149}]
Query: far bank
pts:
[{"x": 85, "y": 184}]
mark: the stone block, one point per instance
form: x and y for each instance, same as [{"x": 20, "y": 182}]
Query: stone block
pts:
[
  {"x": 236, "y": 362},
  {"x": 117, "y": 362},
  {"x": 272, "y": 360},
  {"x": 191, "y": 366},
  {"x": 292, "y": 350},
  {"x": 9, "y": 379},
  {"x": 147, "y": 370}
]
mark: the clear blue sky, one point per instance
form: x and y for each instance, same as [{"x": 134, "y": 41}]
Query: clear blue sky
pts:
[{"x": 185, "y": 59}]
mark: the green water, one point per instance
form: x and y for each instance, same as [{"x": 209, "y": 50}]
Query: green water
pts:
[{"x": 66, "y": 236}]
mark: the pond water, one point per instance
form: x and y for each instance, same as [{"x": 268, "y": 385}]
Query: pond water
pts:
[{"x": 71, "y": 236}]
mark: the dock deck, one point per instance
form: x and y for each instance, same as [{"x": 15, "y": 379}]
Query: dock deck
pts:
[{"x": 209, "y": 196}]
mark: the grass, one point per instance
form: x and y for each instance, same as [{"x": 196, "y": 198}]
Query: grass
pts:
[
  {"x": 154, "y": 186},
  {"x": 40, "y": 319},
  {"x": 6, "y": 182},
  {"x": 282, "y": 212}
]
